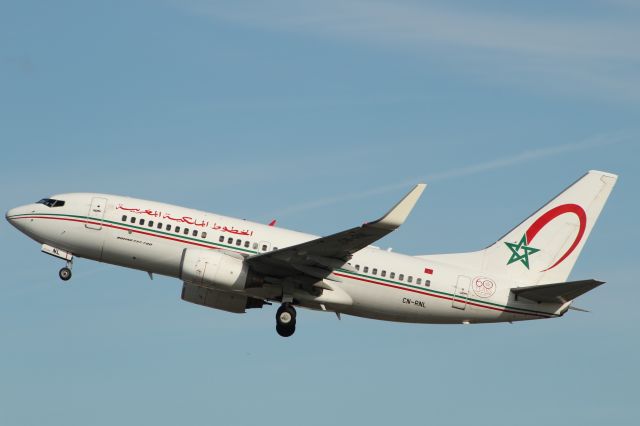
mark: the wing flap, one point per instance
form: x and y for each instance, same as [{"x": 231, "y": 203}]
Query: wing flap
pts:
[{"x": 558, "y": 292}]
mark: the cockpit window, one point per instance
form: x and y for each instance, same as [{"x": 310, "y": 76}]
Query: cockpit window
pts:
[{"x": 49, "y": 202}]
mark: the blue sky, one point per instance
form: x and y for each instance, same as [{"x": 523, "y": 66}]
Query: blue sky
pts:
[{"x": 319, "y": 114}]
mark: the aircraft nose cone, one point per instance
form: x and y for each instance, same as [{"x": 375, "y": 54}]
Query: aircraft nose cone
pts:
[
  {"x": 16, "y": 215},
  {"x": 10, "y": 214}
]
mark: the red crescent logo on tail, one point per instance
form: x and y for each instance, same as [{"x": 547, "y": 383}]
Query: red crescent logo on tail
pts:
[{"x": 543, "y": 220}]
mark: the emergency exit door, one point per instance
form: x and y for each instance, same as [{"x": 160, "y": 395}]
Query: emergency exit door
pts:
[{"x": 96, "y": 213}]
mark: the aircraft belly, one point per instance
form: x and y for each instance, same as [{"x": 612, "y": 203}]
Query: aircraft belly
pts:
[
  {"x": 83, "y": 245},
  {"x": 390, "y": 304}
]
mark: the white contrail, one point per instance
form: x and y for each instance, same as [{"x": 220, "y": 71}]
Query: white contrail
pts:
[{"x": 472, "y": 169}]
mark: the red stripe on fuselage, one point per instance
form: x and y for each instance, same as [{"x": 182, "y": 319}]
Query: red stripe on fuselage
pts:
[
  {"x": 109, "y": 225},
  {"x": 438, "y": 296}
]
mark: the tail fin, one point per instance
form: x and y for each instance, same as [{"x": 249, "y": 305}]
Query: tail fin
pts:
[{"x": 544, "y": 248}]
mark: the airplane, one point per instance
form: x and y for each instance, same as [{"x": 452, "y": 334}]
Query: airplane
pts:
[{"x": 235, "y": 265}]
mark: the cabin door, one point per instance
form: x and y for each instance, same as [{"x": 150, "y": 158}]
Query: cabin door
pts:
[
  {"x": 96, "y": 213},
  {"x": 461, "y": 292}
]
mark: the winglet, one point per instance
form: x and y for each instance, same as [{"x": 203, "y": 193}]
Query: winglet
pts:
[{"x": 399, "y": 213}]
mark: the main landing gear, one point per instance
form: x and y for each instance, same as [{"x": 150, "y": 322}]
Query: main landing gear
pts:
[{"x": 286, "y": 320}]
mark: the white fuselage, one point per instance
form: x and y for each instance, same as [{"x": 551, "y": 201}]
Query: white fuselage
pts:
[{"x": 152, "y": 237}]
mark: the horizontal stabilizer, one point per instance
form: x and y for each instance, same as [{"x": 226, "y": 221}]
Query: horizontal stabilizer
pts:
[{"x": 556, "y": 293}]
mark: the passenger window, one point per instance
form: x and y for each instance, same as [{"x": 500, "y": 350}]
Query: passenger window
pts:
[
  {"x": 150, "y": 223},
  {"x": 168, "y": 227},
  {"x": 427, "y": 283},
  {"x": 230, "y": 241},
  {"x": 401, "y": 277},
  {"x": 133, "y": 220},
  {"x": 186, "y": 231},
  {"x": 392, "y": 275},
  {"x": 238, "y": 243},
  {"x": 383, "y": 273},
  {"x": 375, "y": 271},
  {"x": 409, "y": 279},
  {"x": 177, "y": 228},
  {"x": 246, "y": 244},
  {"x": 141, "y": 221},
  {"x": 159, "y": 225},
  {"x": 221, "y": 239},
  {"x": 357, "y": 267},
  {"x": 264, "y": 247},
  {"x": 195, "y": 233},
  {"x": 255, "y": 246},
  {"x": 419, "y": 281},
  {"x": 204, "y": 235},
  {"x": 124, "y": 218},
  {"x": 365, "y": 269}
]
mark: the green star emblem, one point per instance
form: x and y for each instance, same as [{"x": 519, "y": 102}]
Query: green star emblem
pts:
[{"x": 515, "y": 251}]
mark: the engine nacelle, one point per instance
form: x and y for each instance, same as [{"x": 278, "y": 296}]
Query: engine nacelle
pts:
[{"x": 213, "y": 268}]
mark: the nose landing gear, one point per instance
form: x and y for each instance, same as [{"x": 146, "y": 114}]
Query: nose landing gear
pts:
[
  {"x": 65, "y": 274},
  {"x": 286, "y": 320}
]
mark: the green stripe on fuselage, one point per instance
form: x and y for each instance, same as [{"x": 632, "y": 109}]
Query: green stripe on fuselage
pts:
[{"x": 226, "y": 246}]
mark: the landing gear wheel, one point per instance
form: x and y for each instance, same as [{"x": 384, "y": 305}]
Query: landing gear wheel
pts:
[
  {"x": 286, "y": 320},
  {"x": 286, "y": 331},
  {"x": 65, "y": 274},
  {"x": 286, "y": 314}
]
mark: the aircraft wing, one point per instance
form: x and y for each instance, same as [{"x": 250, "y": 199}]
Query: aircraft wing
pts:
[{"x": 316, "y": 259}]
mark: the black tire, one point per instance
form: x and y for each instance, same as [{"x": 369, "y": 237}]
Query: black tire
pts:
[
  {"x": 286, "y": 331},
  {"x": 286, "y": 315},
  {"x": 65, "y": 274}
]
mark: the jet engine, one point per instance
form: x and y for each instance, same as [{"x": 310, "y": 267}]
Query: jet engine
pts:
[{"x": 213, "y": 268}]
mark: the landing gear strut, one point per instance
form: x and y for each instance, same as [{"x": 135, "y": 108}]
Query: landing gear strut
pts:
[
  {"x": 286, "y": 320},
  {"x": 64, "y": 273}
]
